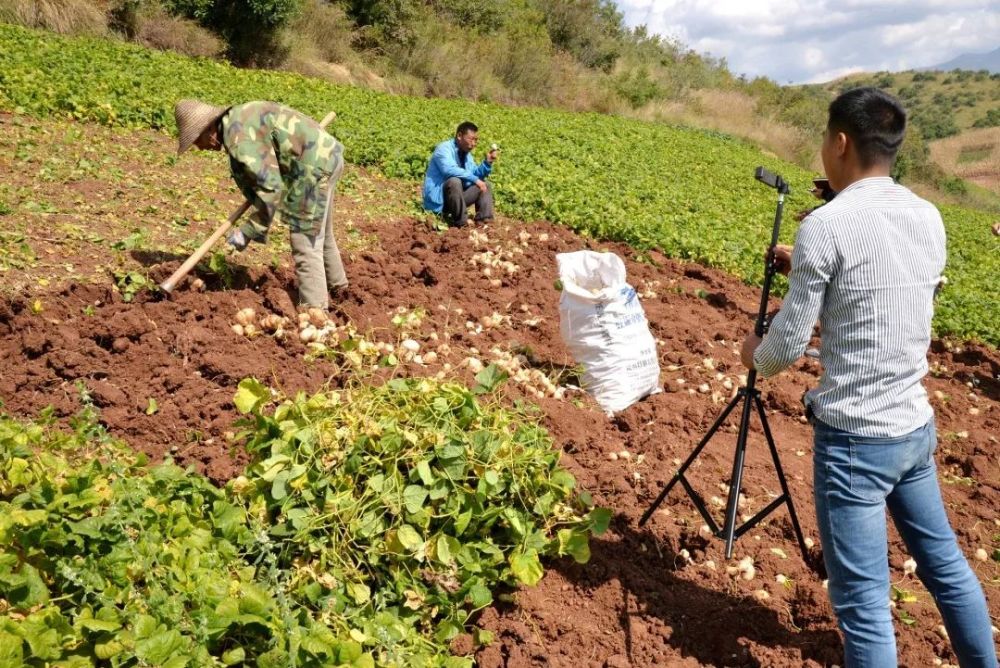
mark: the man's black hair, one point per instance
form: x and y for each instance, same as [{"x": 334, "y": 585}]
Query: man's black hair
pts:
[
  {"x": 873, "y": 119},
  {"x": 466, "y": 126}
]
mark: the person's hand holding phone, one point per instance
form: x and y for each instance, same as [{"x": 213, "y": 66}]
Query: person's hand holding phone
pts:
[
  {"x": 822, "y": 190},
  {"x": 493, "y": 153},
  {"x": 820, "y": 186}
]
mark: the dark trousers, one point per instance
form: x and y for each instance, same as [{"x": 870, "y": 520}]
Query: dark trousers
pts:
[{"x": 458, "y": 199}]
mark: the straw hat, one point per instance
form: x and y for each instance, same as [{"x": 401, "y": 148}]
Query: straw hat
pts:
[{"x": 193, "y": 117}]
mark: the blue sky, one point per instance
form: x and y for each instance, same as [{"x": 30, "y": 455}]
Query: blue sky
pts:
[{"x": 793, "y": 41}]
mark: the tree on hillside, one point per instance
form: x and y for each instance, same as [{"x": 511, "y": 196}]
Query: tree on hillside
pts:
[
  {"x": 252, "y": 28},
  {"x": 591, "y": 30}
]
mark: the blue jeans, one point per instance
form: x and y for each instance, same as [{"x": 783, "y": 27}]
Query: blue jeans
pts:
[{"x": 855, "y": 479}]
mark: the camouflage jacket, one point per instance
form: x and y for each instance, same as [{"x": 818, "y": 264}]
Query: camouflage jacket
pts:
[{"x": 282, "y": 162}]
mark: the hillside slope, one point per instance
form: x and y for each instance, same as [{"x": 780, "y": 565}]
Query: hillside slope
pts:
[
  {"x": 989, "y": 61},
  {"x": 942, "y": 104}
]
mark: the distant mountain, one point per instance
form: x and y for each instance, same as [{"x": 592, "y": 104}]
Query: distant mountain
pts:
[{"x": 971, "y": 61}]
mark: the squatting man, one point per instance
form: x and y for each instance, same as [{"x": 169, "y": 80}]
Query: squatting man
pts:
[
  {"x": 866, "y": 265},
  {"x": 454, "y": 181},
  {"x": 287, "y": 166}
]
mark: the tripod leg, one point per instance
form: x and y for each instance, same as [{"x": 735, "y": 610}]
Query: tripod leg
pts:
[
  {"x": 736, "y": 479},
  {"x": 781, "y": 478},
  {"x": 690, "y": 460}
]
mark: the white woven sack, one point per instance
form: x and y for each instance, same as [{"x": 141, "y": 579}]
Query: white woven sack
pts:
[{"x": 605, "y": 329}]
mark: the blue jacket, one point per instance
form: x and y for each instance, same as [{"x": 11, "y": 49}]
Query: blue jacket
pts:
[{"x": 444, "y": 164}]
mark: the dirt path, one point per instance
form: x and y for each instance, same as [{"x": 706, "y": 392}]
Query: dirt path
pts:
[{"x": 640, "y": 601}]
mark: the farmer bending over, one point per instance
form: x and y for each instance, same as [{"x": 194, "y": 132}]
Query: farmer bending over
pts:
[
  {"x": 288, "y": 167},
  {"x": 454, "y": 181}
]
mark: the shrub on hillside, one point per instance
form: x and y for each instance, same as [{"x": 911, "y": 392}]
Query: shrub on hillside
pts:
[
  {"x": 253, "y": 29},
  {"x": 589, "y": 29},
  {"x": 381, "y": 21},
  {"x": 149, "y": 23},
  {"x": 523, "y": 60},
  {"x": 448, "y": 66},
  {"x": 486, "y": 16},
  {"x": 990, "y": 120},
  {"x": 637, "y": 86},
  {"x": 884, "y": 80},
  {"x": 934, "y": 123}
]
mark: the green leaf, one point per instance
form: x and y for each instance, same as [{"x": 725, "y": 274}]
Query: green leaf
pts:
[
  {"x": 480, "y": 596},
  {"x": 251, "y": 394},
  {"x": 11, "y": 651},
  {"x": 278, "y": 489},
  {"x": 360, "y": 592},
  {"x": 41, "y": 635},
  {"x": 445, "y": 549},
  {"x": 575, "y": 544},
  {"x": 160, "y": 647},
  {"x": 414, "y": 497},
  {"x": 234, "y": 656},
  {"x": 462, "y": 522},
  {"x": 489, "y": 379},
  {"x": 526, "y": 567},
  {"x": 902, "y": 595},
  {"x": 515, "y": 520},
  {"x": 564, "y": 479},
  {"x": 31, "y": 590},
  {"x": 92, "y": 624},
  {"x": 424, "y": 471},
  {"x": 152, "y": 406},
  {"x": 108, "y": 648},
  {"x": 409, "y": 538},
  {"x": 600, "y": 519}
]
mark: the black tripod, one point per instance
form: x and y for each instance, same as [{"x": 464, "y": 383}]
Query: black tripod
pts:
[{"x": 749, "y": 396}]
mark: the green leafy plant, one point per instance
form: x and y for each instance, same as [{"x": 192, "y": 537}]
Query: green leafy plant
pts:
[
  {"x": 131, "y": 283},
  {"x": 370, "y": 527},
  {"x": 106, "y": 562},
  {"x": 403, "y": 507},
  {"x": 219, "y": 265}
]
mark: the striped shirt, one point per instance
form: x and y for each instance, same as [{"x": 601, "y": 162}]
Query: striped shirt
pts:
[{"x": 866, "y": 265}]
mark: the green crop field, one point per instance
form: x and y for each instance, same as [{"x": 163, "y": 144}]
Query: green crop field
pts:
[
  {"x": 367, "y": 529},
  {"x": 689, "y": 193}
]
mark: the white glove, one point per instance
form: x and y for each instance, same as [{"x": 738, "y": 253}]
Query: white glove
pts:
[{"x": 237, "y": 239}]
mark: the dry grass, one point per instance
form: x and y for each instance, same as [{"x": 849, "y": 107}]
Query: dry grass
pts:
[
  {"x": 578, "y": 88},
  {"x": 304, "y": 60},
  {"x": 734, "y": 113},
  {"x": 327, "y": 28},
  {"x": 160, "y": 30},
  {"x": 67, "y": 17},
  {"x": 973, "y": 155}
]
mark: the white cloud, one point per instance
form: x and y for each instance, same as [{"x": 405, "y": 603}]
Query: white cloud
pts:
[
  {"x": 814, "y": 58},
  {"x": 799, "y": 41}
]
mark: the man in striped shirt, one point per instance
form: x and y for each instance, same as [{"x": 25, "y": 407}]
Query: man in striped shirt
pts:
[{"x": 867, "y": 265}]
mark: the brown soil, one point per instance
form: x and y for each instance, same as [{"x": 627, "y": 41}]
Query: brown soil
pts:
[{"x": 638, "y": 602}]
